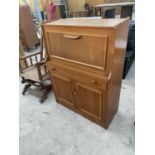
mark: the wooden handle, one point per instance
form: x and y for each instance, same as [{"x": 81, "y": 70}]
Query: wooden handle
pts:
[{"x": 68, "y": 36}]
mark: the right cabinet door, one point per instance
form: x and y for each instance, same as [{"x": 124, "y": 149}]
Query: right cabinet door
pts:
[{"x": 89, "y": 101}]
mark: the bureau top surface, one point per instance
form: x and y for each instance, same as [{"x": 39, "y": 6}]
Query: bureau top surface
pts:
[{"x": 87, "y": 22}]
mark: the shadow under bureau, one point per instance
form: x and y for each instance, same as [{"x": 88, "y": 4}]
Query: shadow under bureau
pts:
[{"x": 85, "y": 63}]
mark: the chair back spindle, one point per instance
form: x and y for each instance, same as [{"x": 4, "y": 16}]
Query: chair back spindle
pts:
[
  {"x": 31, "y": 61},
  {"x": 36, "y": 58},
  {"x": 25, "y": 63},
  {"x": 45, "y": 69}
]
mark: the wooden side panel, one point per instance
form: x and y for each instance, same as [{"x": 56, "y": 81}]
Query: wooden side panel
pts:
[{"x": 114, "y": 84}]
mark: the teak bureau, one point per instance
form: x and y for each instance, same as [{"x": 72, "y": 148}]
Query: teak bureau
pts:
[{"x": 85, "y": 63}]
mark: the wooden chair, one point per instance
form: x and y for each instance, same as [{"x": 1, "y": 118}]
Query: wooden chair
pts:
[{"x": 33, "y": 72}]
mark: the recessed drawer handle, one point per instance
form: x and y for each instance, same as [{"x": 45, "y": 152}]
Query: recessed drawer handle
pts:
[
  {"x": 71, "y": 36},
  {"x": 93, "y": 82}
]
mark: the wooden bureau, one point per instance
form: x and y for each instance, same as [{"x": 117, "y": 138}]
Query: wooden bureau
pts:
[{"x": 85, "y": 63}]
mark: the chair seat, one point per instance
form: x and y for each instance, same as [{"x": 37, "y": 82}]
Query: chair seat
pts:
[{"x": 32, "y": 74}]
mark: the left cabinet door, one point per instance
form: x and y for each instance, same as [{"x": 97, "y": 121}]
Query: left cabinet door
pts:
[{"x": 63, "y": 89}]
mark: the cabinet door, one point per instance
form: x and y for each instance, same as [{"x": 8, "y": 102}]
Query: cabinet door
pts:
[
  {"x": 89, "y": 101},
  {"x": 63, "y": 89}
]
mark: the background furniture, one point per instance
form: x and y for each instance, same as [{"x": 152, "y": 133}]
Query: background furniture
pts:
[
  {"x": 130, "y": 50},
  {"x": 33, "y": 72},
  {"x": 61, "y": 10},
  {"x": 126, "y": 8},
  {"x": 27, "y": 31},
  {"x": 79, "y": 13},
  {"x": 86, "y": 70},
  {"x": 126, "y": 11},
  {"x": 109, "y": 13}
]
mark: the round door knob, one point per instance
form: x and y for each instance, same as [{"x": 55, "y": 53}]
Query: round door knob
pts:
[{"x": 93, "y": 82}]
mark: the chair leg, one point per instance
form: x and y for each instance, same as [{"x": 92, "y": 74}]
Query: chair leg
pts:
[
  {"x": 40, "y": 91},
  {"x": 43, "y": 98},
  {"x": 25, "y": 88},
  {"x": 45, "y": 94},
  {"x": 23, "y": 80}
]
